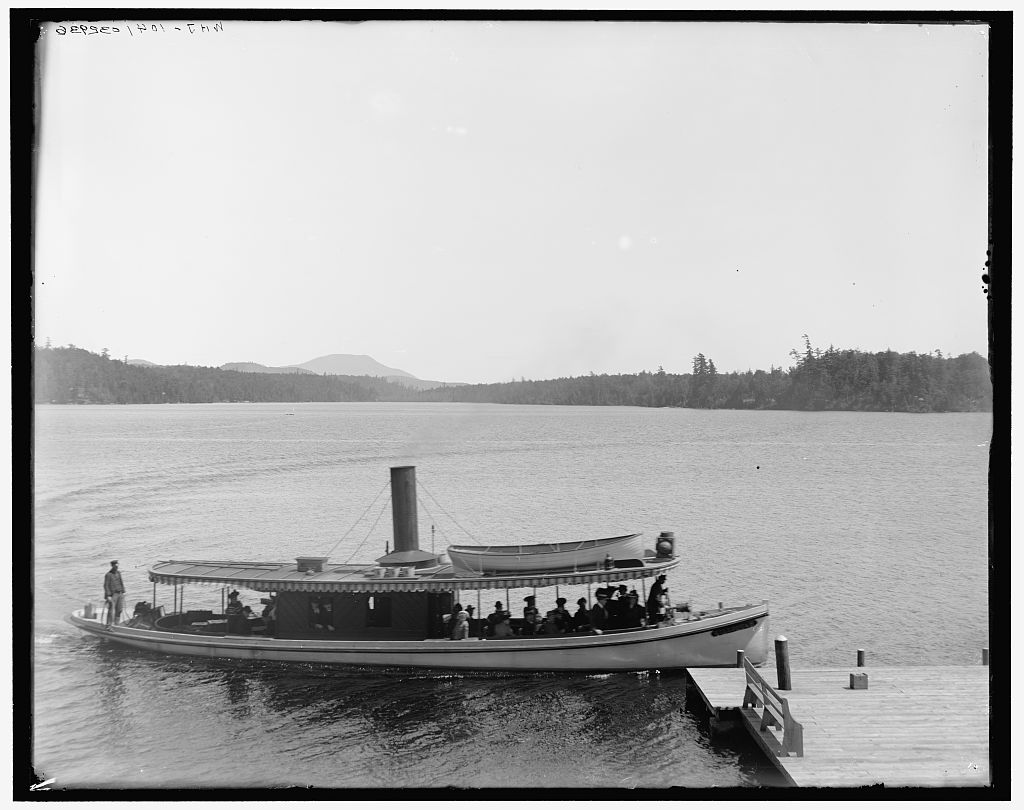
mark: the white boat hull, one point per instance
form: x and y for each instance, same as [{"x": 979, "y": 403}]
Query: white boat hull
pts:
[{"x": 706, "y": 642}]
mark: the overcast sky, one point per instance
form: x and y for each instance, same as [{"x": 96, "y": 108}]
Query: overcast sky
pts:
[{"x": 484, "y": 201}]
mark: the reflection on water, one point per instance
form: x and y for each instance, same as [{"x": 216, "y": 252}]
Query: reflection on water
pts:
[{"x": 288, "y": 724}]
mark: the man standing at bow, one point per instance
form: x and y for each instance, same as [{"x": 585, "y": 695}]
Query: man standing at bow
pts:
[{"x": 113, "y": 592}]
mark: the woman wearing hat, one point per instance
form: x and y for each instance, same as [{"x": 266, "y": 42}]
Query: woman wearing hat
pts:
[
  {"x": 503, "y": 627},
  {"x": 581, "y": 619},
  {"x": 460, "y": 623},
  {"x": 236, "y": 615},
  {"x": 632, "y": 614}
]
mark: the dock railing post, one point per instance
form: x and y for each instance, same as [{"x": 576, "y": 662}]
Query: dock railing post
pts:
[
  {"x": 739, "y": 659},
  {"x": 860, "y": 658},
  {"x": 782, "y": 663}
]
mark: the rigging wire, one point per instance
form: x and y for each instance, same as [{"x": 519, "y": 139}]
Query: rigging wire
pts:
[
  {"x": 453, "y": 520},
  {"x": 433, "y": 521},
  {"x": 368, "y": 508},
  {"x": 374, "y": 526}
]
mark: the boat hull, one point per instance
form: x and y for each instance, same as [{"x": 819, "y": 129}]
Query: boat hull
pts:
[
  {"x": 705, "y": 642},
  {"x": 545, "y": 557}
]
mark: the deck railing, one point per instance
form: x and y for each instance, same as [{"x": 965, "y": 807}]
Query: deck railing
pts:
[{"x": 760, "y": 694}]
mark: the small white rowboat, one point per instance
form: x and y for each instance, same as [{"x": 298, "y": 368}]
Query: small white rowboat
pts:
[{"x": 582, "y": 555}]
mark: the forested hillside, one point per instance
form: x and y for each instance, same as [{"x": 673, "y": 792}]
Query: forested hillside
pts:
[
  {"x": 72, "y": 375},
  {"x": 833, "y": 379}
]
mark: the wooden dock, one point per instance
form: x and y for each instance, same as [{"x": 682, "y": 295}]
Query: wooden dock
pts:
[{"x": 913, "y": 726}]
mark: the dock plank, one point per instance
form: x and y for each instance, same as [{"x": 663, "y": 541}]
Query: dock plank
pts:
[{"x": 922, "y": 726}]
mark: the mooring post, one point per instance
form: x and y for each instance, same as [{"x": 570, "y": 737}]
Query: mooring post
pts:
[
  {"x": 984, "y": 656},
  {"x": 739, "y": 659},
  {"x": 860, "y": 658},
  {"x": 782, "y": 663}
]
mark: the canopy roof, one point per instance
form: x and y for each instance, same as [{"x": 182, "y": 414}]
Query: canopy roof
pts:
[{"x": 345, "y": 578}]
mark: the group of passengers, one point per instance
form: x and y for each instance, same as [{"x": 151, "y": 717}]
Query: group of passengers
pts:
[
  {"x": 614, "y": 608},
  {"x": 239, "y": 616}
]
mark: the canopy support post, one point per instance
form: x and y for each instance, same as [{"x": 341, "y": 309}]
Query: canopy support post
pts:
[
  {"x": 643, "y": 596},
  {"x": 479, "y": 616}
]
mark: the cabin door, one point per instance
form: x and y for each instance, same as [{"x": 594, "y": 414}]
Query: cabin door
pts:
[{"x": 438, "y": 604}]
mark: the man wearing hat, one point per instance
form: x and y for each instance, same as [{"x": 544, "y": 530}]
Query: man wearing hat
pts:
[
  {"x": 656, "y": 600},
  {"x": 113, "y": 592},
  {"x": 531, "y": 616},
  {"x": 559, "y": 620},
  {"x": 599, "y": 612},
  {"x": 494, "y": 619}
]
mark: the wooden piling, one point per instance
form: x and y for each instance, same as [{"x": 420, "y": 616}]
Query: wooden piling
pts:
[
  {"x": 860, "y": 658},
  {"x": 782, "y": 663},
  {"x": 739, "y": 659},
  {"x": 984, "y": 656}
]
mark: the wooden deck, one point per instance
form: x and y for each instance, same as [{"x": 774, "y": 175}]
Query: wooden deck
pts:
[{"x": 913, "y": 726}]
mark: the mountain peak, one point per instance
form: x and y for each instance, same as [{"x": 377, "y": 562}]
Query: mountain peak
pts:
[{"x": 357, "y": 365}]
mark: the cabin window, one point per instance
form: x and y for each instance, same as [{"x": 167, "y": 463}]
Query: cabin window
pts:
[
  {"x": 378, "y": 611},
  {"x": 321, "y": 613}
]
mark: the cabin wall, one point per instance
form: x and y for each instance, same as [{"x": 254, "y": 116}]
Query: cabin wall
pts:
[{"x": 349, "y": 615}]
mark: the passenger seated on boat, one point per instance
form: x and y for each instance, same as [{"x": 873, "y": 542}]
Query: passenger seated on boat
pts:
[
  {"x": 531, "y": 616},
  {"x": 615, "y": 605},
  {"x": 460, "y": 623},
  {"x": 559, "y": 620},
  {"x": 581, "y": 619},
  {"x": 270, "y": 614},
  {"x": 235, "y": 613},
  {"x": 633, "y": 614},
  {"x": 495, "y": 617},
  {"x": 503, "y": 628},
  {"x": 599, "y": 612},
  {"x": 321, "y": 614}
]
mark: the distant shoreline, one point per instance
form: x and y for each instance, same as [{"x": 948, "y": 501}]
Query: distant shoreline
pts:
[
  {"x": 512, "y": 404},
  {"x": 830, "y": 380}
]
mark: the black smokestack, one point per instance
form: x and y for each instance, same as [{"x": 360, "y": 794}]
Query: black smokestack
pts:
[{"x": 403, "y": 508}]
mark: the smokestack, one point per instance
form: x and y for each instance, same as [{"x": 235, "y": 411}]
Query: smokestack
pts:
[{"x": 403, "y": 508}]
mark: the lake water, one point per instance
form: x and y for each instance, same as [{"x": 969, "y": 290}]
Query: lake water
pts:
[{"x": 862, "y": 530}]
